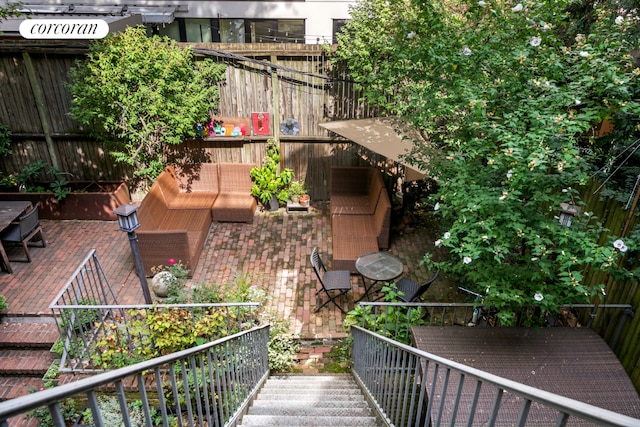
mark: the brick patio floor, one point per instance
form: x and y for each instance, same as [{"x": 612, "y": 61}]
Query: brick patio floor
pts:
[{"x": 273, "y": 250}]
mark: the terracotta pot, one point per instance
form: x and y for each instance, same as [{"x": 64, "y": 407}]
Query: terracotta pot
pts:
[{"x": 304, "y": 200}]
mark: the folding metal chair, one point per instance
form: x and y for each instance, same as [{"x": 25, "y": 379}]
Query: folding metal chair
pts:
[
  {"x": 411, "y": 290},
  {"x": 336, "y": 281}
]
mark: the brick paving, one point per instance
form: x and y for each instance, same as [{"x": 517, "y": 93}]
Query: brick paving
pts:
[{"x": 273, "y": 251}]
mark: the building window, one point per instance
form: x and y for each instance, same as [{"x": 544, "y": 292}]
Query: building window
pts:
[
  {"x": 337, "y": 26},
  {"x": 231, "y": 30},
  {"x": 234, "y": 30}
]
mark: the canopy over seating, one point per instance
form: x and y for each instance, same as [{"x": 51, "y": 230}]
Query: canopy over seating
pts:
[{"x": 379, "y": 135}]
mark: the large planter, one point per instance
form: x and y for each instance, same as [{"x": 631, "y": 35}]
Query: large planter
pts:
[{"x": 88, "y": 200}]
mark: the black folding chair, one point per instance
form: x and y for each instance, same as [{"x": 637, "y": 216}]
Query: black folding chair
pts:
[
  {"x": 412, "y": 291},
  {"x": 336, "y": 281}
]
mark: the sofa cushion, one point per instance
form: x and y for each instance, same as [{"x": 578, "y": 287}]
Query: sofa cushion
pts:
[
  {"x": 235, "y": 177},
  {"x": 197, "y": 177},
  {"x": 152, "y": 209}
]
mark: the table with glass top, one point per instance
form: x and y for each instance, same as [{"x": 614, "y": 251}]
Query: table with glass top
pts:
[{"x": 378, "y": 267}]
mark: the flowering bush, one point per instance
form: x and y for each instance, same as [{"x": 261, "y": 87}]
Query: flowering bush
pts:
[{"x": 508, "y": 95}]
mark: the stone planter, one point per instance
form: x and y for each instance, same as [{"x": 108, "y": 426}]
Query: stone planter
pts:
[{"x": 89, "y": 200}]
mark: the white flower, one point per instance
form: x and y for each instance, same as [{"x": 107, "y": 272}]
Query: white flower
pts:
[
  {"x": 545, "y": 26},
  {"x": 535, "y": 41},
  {"x": 623, "y": 249},
  {"x": 485, "y": 238},
  {"x": 578, "y": 102},
  {"x": 466, "y": 260},
  {"x": 517, "y": 8},
  {"x": 509, "y": 173},
  {"x": 564, "y": 190},
  {"x": 466, "y": 51},
  {"x": 534, "y": 259},
  {"x": 618, "y": 244},
  {"x": 603, "y": 292},
  {"x": 436, "y": 206},
  {"x": 584, "y": 54},
  {"x": 411, "y": 35},
  {"x": 538, "y": 297},
  {"x": 438, "y": 243},
  {"x": 446, "y": 235},
  {"x": 619, "y": 20},
  {"x": 482, "y": 3}
]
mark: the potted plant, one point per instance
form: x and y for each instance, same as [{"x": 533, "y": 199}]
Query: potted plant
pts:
[
  {"x": 296, "y": 190},
  {"x": 270, "y": 185}
]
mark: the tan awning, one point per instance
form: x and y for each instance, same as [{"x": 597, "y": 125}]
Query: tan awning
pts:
[{"x": 379, "y": 136}]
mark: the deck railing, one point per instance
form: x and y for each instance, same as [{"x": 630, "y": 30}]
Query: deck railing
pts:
[
  {"x": 207, "y": 385},
  {"x": 394, "y": 320},
  {"x": 398, "y": 380}
]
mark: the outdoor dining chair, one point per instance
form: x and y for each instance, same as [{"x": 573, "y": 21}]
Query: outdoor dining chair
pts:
[
  {"x": 23, "y": 230},
  {"x": 412, "y": 291},
  {"x": 336, "y": 281}
]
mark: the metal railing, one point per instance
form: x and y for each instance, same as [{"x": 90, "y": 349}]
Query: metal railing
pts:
[
  {"x": 394, "y": 320},
  {"x": 112, "y": 336},
  {"x": 98, "y": 334},
  {"x": 410, "y": 387},
  {"x": 210, "y": 385}
]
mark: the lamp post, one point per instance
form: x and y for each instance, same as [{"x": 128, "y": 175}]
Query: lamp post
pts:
[{"x": 128, "y": 219}]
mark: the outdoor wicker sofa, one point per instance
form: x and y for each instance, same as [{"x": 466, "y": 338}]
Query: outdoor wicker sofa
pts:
[
  {"x": 360, "y": 214},
  {"x": 177, "y": 212}
]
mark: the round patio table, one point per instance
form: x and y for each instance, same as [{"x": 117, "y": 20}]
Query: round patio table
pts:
[{"x": 378, "y": 267}]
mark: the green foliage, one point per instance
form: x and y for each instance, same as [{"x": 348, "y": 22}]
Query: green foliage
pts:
[
  {"x": 3, "y": 302},
  {"x": 297, "y": 188},
  {"x": 42, "y": 415},
  {"x": 80, "y": 318},
  {"x": 5, "y": 140},
  {"x": 111, "y": 414},
  {"x": 283, "y": 347},
  {"x": 394, "y": 322},
  {"x": 144, "y": 94},
  {"x": 10, "y": 9},
  {"x": 509, "y": 98},
  {"x": 268, "y": 180}
]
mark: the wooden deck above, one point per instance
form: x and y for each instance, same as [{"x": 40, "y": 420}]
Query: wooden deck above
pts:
[{"x": 571, "y": 362}]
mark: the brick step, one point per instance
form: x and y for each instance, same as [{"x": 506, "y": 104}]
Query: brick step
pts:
[
  {"x": 29, "y": 362},
  {"x": 16, "y": 386},
  {"x": 33, "y": 332}
]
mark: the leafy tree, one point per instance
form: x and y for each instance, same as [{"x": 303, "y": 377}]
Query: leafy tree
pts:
[
  {"x": 9, "y": 10},
  {"x": 144, "y": 93},
  {"x": 509, "y": 97}
]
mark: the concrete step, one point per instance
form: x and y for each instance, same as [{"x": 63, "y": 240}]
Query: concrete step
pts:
[
  {"x": 281, "y": 421},
  {"x": 309, "y": 400}
]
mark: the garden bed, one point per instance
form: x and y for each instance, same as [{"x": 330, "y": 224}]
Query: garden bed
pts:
[{"x": 88, "y": 200}]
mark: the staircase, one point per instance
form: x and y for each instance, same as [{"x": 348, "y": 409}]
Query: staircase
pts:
[
  {"x": 310, "y": 400},
  {"x": 24, "y": 354}
]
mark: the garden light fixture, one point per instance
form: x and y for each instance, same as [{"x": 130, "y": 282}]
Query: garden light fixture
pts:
[
  {"x": 567, "y": 214},
  {"x": 128, "y": 220}
]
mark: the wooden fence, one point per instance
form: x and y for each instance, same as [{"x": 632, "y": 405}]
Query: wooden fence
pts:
[
  {"x": 34, "y": 103},
  {"x": 286, "y": 81}
]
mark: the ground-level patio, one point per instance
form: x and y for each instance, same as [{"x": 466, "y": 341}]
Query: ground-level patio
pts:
[{"x": 273, "y": 251}]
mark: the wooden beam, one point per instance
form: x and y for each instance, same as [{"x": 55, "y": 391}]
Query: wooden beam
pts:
[{"x": 42, "y": 111}]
